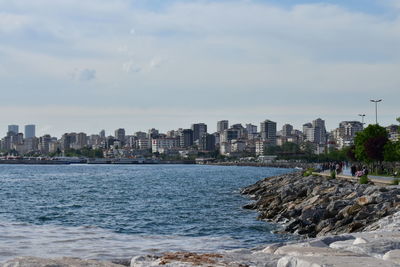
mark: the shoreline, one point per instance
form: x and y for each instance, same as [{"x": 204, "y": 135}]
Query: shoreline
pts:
[{"x": 343, "y": 223}]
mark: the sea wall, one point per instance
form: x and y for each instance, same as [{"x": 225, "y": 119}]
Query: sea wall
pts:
[{"x": 317, "y": 206}]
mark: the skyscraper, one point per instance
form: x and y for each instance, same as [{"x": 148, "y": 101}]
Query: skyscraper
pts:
[
  {"x": 30, "y": 131},
  {"x": 198, "y": 130},
  {"x": 222, "y": 126},
  {"x": 287, "y": 130},
  {"x": 13, "y": 128},
  {"x": 268, "y": 131},
  {"x": 120, "y": 135}
]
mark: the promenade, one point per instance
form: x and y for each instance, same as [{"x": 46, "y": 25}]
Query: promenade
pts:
[{"x": 380, "y": 180}]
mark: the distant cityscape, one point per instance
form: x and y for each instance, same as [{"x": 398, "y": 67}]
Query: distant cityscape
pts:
[{"x": 229, "y": 140}]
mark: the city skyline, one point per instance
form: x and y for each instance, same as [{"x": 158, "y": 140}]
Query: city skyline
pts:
[
  {"x": 103, "y": 64},
  {"x": 212, "y": 127}
]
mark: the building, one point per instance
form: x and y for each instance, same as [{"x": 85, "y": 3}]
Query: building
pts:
[
  {"x": 186, "y": 138},
  {"x": 143, "y": 143},
  {"x": 160, "y": 145},
  {"x": 44, "y": 143},
  {"x": 120, "y": 135},
  {"x": 102, "y": 134},
  {"x": 260, "y": 147},
  {"x": 198, "y": 130},
  {"x": 229, "y": 134},
  {"x": 268, "y": 131},
  {"x": 13, "y": 129},
  {"x": 222, "y": 126},
  {"x": 251, "y": 129},
  {"x": 207, "y": 142},
  {"x": 141, "y": 135},
  {"x": 287, "y": 130},
  {"x": 30, "y": 131}
]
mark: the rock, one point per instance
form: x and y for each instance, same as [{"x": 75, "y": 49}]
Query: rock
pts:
[
  {"x": 325, "y": 261},
  {"x": 393, "y": 256},
  {"x": 62, "y": 262},
  {"x": 311, "y": 251},
  {"x": 365, "y": 200},
  {"x": 359, "y": 240}
]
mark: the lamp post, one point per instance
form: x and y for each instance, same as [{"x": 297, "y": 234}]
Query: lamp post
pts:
[
  {"x": 362, "y": 118},
  {"x": 376, "y": 101}
]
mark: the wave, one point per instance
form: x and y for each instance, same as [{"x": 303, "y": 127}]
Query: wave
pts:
[{"x": 90, "y": 242}]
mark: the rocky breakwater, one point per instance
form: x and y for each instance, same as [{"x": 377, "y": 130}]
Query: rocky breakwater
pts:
[{"x": 316, "y": 206}]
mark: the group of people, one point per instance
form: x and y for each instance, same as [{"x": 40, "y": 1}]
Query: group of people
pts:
[
  {"x": 358, "y": 171},
  {"x": 337, "y": 167},
  {"x": 333, "y": 166}
]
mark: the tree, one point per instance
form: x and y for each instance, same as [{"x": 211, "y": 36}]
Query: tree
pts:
[
  {"x": 392, "y": 151},
  {"x": 370, "y": 144}
]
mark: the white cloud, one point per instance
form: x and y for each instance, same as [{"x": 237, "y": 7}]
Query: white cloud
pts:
[
  {"x": 242, "y": 51},
  {"x": 84, "y": 75}
]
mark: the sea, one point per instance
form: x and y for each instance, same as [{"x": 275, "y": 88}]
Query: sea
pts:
[{"x": 118, "y": 211}]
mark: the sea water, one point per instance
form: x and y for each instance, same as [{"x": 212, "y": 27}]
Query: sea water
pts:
[{"x": 119, "y": 211}]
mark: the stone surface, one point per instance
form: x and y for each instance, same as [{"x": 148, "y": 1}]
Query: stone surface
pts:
[
  {"x": 393, "y": 256},
  {"x": 315, "y": 206},
  {"x": 63, "y": 262},
  {"x": 329, "y": 261}
]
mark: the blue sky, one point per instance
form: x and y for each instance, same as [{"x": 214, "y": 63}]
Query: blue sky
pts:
[{"x": 72, "y": 65}]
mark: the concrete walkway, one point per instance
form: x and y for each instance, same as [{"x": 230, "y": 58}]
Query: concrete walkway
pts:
[{"x": 383, "y": 180}]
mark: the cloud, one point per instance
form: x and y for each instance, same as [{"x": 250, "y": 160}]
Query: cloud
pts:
[
  {"x": 84, "y": 75},
  {"x": 130, "y": 66}
]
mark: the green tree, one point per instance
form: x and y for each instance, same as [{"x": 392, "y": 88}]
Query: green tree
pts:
[
  {"x": 392, "y": 151},
  {"x": 370, "y": 144}
]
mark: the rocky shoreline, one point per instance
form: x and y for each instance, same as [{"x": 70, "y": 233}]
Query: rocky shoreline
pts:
[
  {"x": 317, "y": 206},
  {"x": 342, "y": 223}
]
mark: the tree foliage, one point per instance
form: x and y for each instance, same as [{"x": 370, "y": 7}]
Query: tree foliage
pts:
[
  {"x": 370, "y": 144},
  {"x": 392, "y": 151}
]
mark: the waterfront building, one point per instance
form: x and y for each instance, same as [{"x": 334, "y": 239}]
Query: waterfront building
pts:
[
  {"x": 225, "y": 148},
  {"x": 186, "y": 138},
  {"x": 44, "y": 143},
  {"x": 143, "y": 143},
  {"x": 207, "y": 142},
  {"x": 30, "y": 131},
  {"x": 260, "y": 147},
  {"x": 13, "y": 129},
  {"x": 198, "y": 130},
  {"x": 222, "y": 125},
  {"x": 160, "y": 145},
  {"x": 238, "y": 146},
  {"x": 80, "y": 141},
  {"x": 268, "y": 131}
]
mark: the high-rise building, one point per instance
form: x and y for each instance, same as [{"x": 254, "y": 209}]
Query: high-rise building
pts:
[
  {"x": 287, "y": 130},
  {"x": 222, "y": 126},
  {"x": 13, "y": 128},
  {"x": 186, "y": 138},
  {"x": 198, "y": 130},
  {"x": 268, "y": 131},
  {"x": 120, "y": 135},
  {"x": 102, "y": 134},
  {"x": 251, "y": 129},
  {"x": 207, "y": 142},
  {"x": 30, "y": 131}
]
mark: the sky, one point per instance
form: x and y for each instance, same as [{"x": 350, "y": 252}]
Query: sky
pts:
[{"x": 72, "y": 66}]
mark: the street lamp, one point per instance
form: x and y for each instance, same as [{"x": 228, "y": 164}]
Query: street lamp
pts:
[
  {"x": 376, "y": 101},
  {"x": 362, "y": 118}
]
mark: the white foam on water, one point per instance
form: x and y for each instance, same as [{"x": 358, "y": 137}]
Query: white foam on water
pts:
[{"x": 87, "y": 242}]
